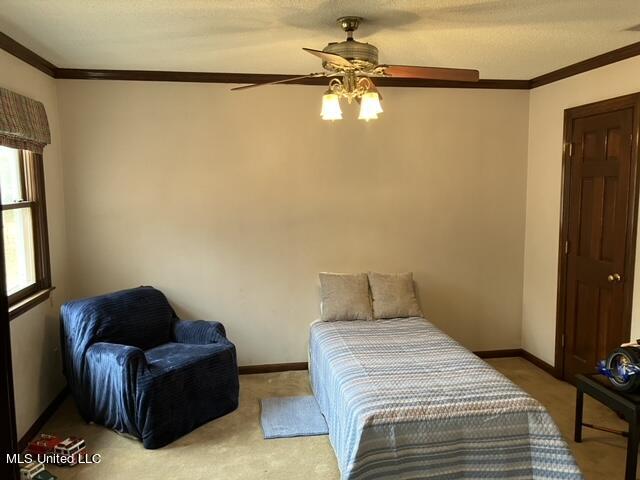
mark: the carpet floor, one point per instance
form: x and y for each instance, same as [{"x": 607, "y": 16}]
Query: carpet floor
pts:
[{"x": 232, "y": 447}]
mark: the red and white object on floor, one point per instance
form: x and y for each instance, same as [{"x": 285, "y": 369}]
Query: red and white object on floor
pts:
[
  {"x": 71, "y": 448},
  {"x": 42, "y": 445},
  {"x": 52, "y": 449}
]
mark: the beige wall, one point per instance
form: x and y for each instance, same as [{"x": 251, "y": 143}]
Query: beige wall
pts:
[
  {"x": 232, "y": 202},
  {"x": 546, "y": 110},
  {"x": 34, "y": 335}
]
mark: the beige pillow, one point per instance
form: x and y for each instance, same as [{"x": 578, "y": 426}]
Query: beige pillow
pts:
[
  {"x": 393, "y": 295},
  {"x": 345, "y": 297}
]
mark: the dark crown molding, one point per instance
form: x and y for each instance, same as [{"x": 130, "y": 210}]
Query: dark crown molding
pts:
[
  {"x": 23, "y": 53},
  {"x": 18, "y": 50},
  {"x": 172, "y": 76},
  {"x": 247, "y": 78},
  {"x": 584, "y": 66}
]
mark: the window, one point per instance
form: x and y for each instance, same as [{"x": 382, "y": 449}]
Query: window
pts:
[{"x": 24, "y": 222}]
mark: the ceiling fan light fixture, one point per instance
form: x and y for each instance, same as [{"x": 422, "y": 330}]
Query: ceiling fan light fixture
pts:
[
  {"x": 370, "y": 106},
  {"x": 331, "y": 107},
  {"x": 349, "y": 65}
]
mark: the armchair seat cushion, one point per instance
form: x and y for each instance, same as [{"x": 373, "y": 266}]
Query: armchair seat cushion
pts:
[
  {"x": 185, "y": 387},
  {"x": 179, "y": 356}
]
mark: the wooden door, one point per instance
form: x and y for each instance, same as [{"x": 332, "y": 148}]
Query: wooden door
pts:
[{"x": 599, "y": 234}]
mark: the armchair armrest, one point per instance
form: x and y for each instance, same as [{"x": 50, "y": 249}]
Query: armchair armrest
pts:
[
  {"x": 199, "y": 332},
  {"x": 110, "y": 384},
  {"x": 112, "y": 355}
]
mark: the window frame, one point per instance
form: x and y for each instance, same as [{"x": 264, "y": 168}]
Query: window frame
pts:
[{"x": 33, "y": 191}]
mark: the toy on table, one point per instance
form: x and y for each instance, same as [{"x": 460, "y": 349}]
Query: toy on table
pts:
[{"x": 622, "y": 367}]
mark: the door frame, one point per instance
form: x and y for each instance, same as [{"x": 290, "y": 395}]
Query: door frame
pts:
[
  {"x": 570, "y": 115},
  {"x": 8, "y": 434}
]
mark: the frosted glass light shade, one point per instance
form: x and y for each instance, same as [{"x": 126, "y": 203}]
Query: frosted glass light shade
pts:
[
  {"x": 331, "y": 107},
  {"x": 370, "y": 106}
]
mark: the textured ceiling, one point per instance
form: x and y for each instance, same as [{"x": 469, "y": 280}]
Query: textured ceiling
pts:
[{"x": 516, "y": 39}]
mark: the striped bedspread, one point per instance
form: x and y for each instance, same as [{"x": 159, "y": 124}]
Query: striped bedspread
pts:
[{"x": 405, "y": 401}]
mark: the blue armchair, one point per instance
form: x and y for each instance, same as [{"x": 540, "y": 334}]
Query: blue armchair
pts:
[{"x": 134, "y": 366}]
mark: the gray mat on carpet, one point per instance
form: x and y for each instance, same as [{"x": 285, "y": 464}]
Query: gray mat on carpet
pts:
[{"x": 284, "y": 417}]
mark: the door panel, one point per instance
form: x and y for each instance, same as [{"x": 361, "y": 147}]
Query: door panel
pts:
[
  {"x": 582, "y": 338},
  {"x": 608, "y": 219},
  {"x": 599, "y": 197}
]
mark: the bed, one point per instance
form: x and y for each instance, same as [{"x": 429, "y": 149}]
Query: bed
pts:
[{"x": 403, "y": 401}]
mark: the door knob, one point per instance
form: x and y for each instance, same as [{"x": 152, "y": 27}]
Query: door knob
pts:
[{"x": 614, "y": 277}]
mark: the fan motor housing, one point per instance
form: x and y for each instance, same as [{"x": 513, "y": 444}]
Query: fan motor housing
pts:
[{"x": 363, "y": 55}]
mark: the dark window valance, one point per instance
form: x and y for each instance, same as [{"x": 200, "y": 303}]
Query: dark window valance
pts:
[{"x": 23, "y": 122}]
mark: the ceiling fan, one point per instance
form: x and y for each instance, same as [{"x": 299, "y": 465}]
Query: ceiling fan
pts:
[{"x": 351, "y": 65}]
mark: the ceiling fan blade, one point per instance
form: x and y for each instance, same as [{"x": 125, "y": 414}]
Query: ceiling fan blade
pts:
[
  {"x": 330, "y": 57},
  {"x": 312, "y": 75},
  {"x": 432, "y": 73}
]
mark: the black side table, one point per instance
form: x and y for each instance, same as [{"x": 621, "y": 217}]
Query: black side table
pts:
[{"x": 627, "y": 404}]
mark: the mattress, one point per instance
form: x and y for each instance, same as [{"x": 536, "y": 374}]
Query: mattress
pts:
[{"x": 404, "y": 401}]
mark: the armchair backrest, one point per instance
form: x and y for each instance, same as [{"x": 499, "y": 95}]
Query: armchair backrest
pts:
[{"x": 139, "y": 317}]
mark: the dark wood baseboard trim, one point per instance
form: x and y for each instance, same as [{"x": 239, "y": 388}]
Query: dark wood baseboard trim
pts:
[
  {"x": 23, "y": 53},
  {"x": 272, "y": 367},
  {"x": 285, "y": 367},
  {"x": 503, "y": 353},
  {"x": 522, "y": 353},
  {"x": 538, "y": 362},
  {"x": 510, "y": 352},
  {"x": 42, "y": 419}
]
